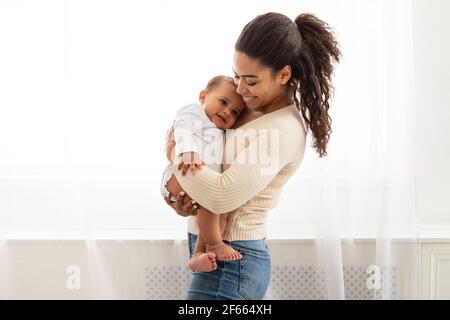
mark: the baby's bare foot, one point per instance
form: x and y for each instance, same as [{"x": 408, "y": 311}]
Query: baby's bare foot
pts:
[
  {"x": 203, "y": 262},
  {"x": 223, "y": 251}
]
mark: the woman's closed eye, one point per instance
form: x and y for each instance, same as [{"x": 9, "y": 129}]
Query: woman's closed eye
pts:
[{"x": 236, "y": 82}]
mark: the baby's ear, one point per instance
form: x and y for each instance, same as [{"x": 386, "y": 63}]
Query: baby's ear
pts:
[{"x": 202, "y": 96}]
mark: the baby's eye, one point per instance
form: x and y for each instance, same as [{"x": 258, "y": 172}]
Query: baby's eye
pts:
[
  {"x": 235, "y": 112},
  {"x": 223, "y": 102}
]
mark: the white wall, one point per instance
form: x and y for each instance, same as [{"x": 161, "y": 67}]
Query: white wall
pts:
[{"x": 432, "y": 66}]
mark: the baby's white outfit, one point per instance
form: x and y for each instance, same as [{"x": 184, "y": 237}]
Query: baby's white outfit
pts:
[{"x": 194, "y": 132}]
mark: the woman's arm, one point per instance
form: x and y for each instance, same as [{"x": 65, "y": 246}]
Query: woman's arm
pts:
[{"x": 224, "y": 192}]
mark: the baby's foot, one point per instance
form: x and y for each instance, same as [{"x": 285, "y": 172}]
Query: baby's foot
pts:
[
  {"x": 203, "y": 262},
  {"x": 223, "y": 251}
]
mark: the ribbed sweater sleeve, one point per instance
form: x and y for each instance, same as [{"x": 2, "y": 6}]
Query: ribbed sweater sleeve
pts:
[{"x": 277, "y": 143}]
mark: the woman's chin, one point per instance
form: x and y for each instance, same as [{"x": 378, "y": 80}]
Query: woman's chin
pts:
[
  {"x": 252, "y": 104},
  {"x": 254, "y": 107}
]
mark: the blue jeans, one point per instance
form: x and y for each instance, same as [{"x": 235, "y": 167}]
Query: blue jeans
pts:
[{"x": 245, "y": 279}]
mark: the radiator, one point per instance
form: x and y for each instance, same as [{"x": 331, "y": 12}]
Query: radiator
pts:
[{"x": 287, "y": 283}]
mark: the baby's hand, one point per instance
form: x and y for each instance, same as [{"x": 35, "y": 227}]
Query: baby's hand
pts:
[{"x": 189, "y": 160}]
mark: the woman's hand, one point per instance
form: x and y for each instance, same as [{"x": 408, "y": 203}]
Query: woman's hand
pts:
[
  {"x": 184, "y": 206},
  {"x": 170, "y": 144}
]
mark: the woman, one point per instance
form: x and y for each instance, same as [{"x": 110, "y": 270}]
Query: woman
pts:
[{"x": 283, "y": 72}]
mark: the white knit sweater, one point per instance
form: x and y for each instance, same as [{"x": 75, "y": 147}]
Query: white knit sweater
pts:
[{"x": 260, "y": 157}]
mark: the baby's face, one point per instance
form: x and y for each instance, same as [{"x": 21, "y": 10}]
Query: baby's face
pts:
[{"x": 223, "y": 105}]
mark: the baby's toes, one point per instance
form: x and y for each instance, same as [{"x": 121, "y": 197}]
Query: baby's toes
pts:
[{"x": 211, "y": 256}]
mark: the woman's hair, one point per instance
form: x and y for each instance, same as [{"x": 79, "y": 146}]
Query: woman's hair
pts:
[
  {"x": 217, "y": 80},
  {"x": 309, "y": 47}
]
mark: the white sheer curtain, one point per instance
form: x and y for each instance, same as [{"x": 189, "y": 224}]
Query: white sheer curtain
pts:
[
  {"x": 89, "y": 88},
  {"x": 368, "y": 187}
]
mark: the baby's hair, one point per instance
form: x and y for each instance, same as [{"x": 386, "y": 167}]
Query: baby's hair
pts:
[{"x": 217, "y": 80}]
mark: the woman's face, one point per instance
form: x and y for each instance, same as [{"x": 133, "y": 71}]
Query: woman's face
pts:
[{"x": 257, "y": 85}]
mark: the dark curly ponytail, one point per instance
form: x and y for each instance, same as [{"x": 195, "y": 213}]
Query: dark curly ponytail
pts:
[{"x": 310, "y": 48}]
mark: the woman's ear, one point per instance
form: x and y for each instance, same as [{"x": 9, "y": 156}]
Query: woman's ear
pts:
[
  {"x": 202, "y": 96},
  {"x": 285, "y": 74}
]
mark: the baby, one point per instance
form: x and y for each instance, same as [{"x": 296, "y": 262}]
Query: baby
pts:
[{"x": 199, "y": 136}]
